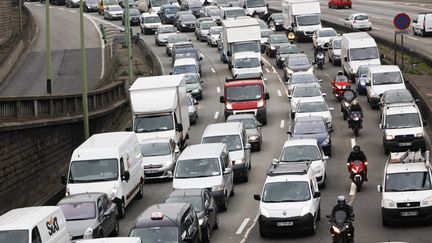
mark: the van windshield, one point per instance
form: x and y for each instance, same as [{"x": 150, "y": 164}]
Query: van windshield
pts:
[
  {"x": 78, "y": 211},
  {"x": 156, "y": 234},
  {"x": 194, "y": 168},
  {"x": 308, "y": 20},
  {"x": 289, "y": 191},
  {"x": 243, "y": 93},
  {"x": 15, "y": 236},
  {"x": 232, "y": 13},
  {"x": 145, "y": 124},
  {"x": 404, "y": 120},
  {"x": 387, "y": 78},
  {"x": 366, "y": 53},
  {"x": 246, "y": 46},
  {"x": 233, "y": 142},
  {"x": 410, "y": 181},
  {"x": 255, "y": 3},
  {"x": 86, "y": 171}
]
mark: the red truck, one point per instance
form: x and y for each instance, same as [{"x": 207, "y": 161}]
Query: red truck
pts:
[
  {"x": 247, "y": 95},
  {"x": 339, "y": 3}
]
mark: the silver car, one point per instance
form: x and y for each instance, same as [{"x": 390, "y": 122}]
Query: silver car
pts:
[
  {"x": 192, "y": 108},
  {"x": 214, "y": 35},
  {"x": 174, "y": 38},
  {"x": 162, "y": 34},
  {"x": 113, "y": 12},
  {"x": 159, "y": 157},
  {"x": 253, "y": 129},
  {"x": 203, "y": 29}
]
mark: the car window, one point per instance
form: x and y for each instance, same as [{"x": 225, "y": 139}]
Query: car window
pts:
[{"x": 36, "y": 238}]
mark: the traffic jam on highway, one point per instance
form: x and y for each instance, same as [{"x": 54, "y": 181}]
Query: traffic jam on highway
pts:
[{"x": 264, "y": 70}]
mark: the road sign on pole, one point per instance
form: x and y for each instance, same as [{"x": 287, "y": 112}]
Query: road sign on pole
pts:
[{"x": 402, "y": 21}]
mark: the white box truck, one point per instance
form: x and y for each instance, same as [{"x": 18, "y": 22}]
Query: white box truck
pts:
[
  {"x": 304, "y": 16},
  {"x": 159, "y": 108},
  {"x": 241, "y": 35}
]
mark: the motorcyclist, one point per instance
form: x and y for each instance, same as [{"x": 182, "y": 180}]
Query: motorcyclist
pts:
[
  {"x": 317, "y": 50},
  {"x": 357, "y": 154},
  {"x": 355, "y": 107},
  {"x": 342, "y": 205}
]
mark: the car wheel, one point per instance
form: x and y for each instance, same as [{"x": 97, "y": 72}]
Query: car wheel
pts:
[
  {"x": 140, "y": 193},
  {"x": 206, "y": 234},
  {"x": 121, "y": 209},
  {"x": 116, "y": 229},
  {"x": 224, "y": 206},
  {"x": 216, "y": 225}
]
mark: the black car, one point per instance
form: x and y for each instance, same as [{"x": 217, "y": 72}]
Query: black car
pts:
[
  {"x": 204, "y": 205},
  {"x": 134, "y": 16},
  {"x": 90, "y": 6},
  {"x": 274, "y": 41},
  {"x": 282, "y": 53},
  {"x": 276, "y": 20},
  {"x": 186, "y": 22},
  {"x": 167, "y": 13},
  {"x": 168, "y": 222}
]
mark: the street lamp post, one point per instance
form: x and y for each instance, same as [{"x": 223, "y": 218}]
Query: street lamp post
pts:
[
  {"x": 48, "y": 47},
  {"x": 128, "y": 39},
  {"x": 83, "y": 74}
]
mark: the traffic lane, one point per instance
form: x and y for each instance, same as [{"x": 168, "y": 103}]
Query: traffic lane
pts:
[{"x": 29, "y": 77}]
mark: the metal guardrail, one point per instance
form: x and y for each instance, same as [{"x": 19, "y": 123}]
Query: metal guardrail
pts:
[{"x": 44, "y": 107}]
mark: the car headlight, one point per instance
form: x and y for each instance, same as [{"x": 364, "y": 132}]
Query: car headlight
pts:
[
  {"x": 272, "y": 47},
  {"x": 317, "y": 170},
  {"x": 253, "y": 138},
  {"x": 195, "y": 90},
  {"x": 113, "y": 193},
  {"x": 305, "y": 211},
  {"x": 387, "y": 203},
  {"x": 264, "y": 212},
  {"x": 238, "y": 161},
  {"x": 217, "y": 188},
  {"x": 201, "y": 221},
  {"x": 183, "y": 25},
  {"x": 228, "y": 106},
  {"x": 389, "y": 137},
  {"x": 88, "y": 233},
  {"x": 427, "y": 201},
  {"x": 326, "y": 141},
  {"x": 419, "y": 135},
  {"x": 260, "y": 103},
  {"x": 362, "y": 82},
  {"x": 310, "y": 69}
]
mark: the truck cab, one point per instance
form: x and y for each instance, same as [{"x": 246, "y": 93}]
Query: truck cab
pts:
[{"x": 246, "y": 95}]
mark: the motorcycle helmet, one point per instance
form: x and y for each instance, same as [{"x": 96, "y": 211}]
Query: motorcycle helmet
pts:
[
  {"x": 356, "y": 148},
  {"x": 339, "y": 73},
  {"x": 341, "y": 201}
]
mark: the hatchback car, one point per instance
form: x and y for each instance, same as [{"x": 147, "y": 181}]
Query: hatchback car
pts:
[
  {"x": 134, "y": 16},
  {"x": 252, "y": 127},
  {"x": 149, "y": 23},
  {"x": 159, "y": 157},
  {"x": 175, "y": 38},
  {"x": 214, "y": 35},
  {"x": 113, "y": 12},
  {"x": 334, "y": 50},
  {"x": 167, "y": 13},
  {"x": 282, "y": 53},
  {"x": 303, "y": 92},
  {"x": 296, "y": 63},
  {"x": 203, "y": 29},
  {"x": 314, "y": 107},
  {"x": 186, "y": 65},
  {"x": 276, "y": 21},
  {"x": 312, "y": 127},
  {"x": 274, "y": 41},
  {"x": 193, "y": 6},
  {"x": 322, "y": 36},
  {"x": 186, "y": 22},
  {"x": 204, "y": 205},
  {"x": 215, "y": 14},
  {"x": 90, "y": 215},
  {"x": 301, "y": 78},
  {"x": 90, "y": 5},
  {"x": 359, "y": 21},
  {"x": 162, "y": 34},
  {"x": 246, "y": 61},
  {"x": 192, "y": 108},
  {"x": 193, "y": 85}
]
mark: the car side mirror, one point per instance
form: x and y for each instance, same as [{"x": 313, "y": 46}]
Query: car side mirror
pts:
[
  {"x": 259, "y": 124},
  {"x": 248, "y": 146},
  {"x": 330, "y": 130},
  {"x": 267, "y": 96},
  {"x": 292, "y": 25},
  {"x": 289, "y": 132},
  {"x": 325, "y": 157},
  {"x": 416, "y": 101},
  {"x": 230, "y": 65},
  {"x": 228, "y": 53},
  {"x": 267, "y": 5},
  {"x": 200, "y": 58},
  {"x": 125, "y": 176},
  {"x": 171, "y": 73},
  {"x": 63, "y": 179},
  {"x": 382, "y": 56},
  {"x": 222, "y": 99},
  {"x": 177, "y": 150},
  {"x": 379, "y": 188},
  {"x": 289, "y": 96},
  {"x": 227, "y": 170},
  {"x": 244, "y": 6},
  {"x": 320, "y": 80},
  {"x": 257, "y": 197},
  {"x": 368, "y": 83},
  {"x": 324, "y": 94},
  {"x": 345, "y": 59},
  {"x": 179, "y": 127},
  {"x": 346, "y": 19},
  {"x": 317, "y": 194},
  {"x": 331, "y": 109}
]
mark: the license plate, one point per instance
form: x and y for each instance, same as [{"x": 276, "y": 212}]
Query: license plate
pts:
[
  {"x": 410, "y": 213},
  {"x": 151, "y": 171},
  {"x": 284, "y": 223},
  {"x": 404, "y": 144}
]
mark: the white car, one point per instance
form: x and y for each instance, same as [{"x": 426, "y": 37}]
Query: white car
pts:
[
  {"x": 303, "y": 92},
  {"x": 246, "y": 61},
  {"x": 159, "y": 157},
  {"x": 301, "y": 78},
  {"x": 314, "y": 107},
  {"x": 304, "y": 150},
  {"x": 290, "y": 199},
  {"x": 214, "y": 35},
  {"x": 322, "y": 36},
  {"x": 359, "y": 21},
  {"x": 149, "y": 22},
  {"x": 422, "y": 24}
]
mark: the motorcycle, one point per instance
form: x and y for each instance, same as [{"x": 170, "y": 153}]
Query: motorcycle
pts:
[
  {"x": 291, "y": 36},
  {"x": 340, "y": 84},
  {"x": 341, "y": 227},
  {"x": 356, "y": 121},
  {"x": 347, "y": 97},
  {"x": 320, "y": 57},
  {"x": 357, "y": 171}
]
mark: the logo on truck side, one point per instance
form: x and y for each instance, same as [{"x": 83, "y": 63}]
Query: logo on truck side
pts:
[{"x": 52, "y": 225}]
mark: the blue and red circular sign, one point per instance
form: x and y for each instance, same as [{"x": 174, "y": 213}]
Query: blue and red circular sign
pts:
[{"x": 402, "y": 21}]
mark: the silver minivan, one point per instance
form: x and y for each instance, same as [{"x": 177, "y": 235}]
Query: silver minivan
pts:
[
  {"x": 234, "y": 136},
  {"x": 206, "y": 166}
]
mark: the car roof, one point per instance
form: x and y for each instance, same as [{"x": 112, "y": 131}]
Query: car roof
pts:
[
  {"x": 384, "y": 68},
  {"x": 303, "y": 141},
  {"x": 231, "y": 8},
  {"x": 241, "y": 116},
  {"x": 185, "y": 61},
  {"x": 221, "y": 129},
  {"x": 207, "y": 150},
  {"x": 309, "y": 118},
  {"x": 81, "y": 197},
  {"x": 406, "y": 167},
  {"x": 149, "y": 14},
  {"x": 402, "y": 108},
  {"x": 24, "y": 218},
  {"x": 187, "y": 192},
  {"x": 396, "y": 91},
  {"x": 171, "y": 212},
  {"x": 357, "y": 14},
  {"x": 312, "y": 99},
  {"x": 297, "y": 55}
]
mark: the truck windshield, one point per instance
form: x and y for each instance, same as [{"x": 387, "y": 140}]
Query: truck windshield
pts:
[
  {"x": 410, "y": 181},
  {"x": 244, "y": 93},
  {"x": 15, "y": 236},
  {"x": 158, "y": 3},
  {"x": 300, "y": 153},
  {"x": 233, "y": 142},
  {"x": 358, "y": 54},
  {"x": 247, "y": 63},
  {"x": 194, "y": 168},
  {"x": 287, "y": 191},
  {"x": 155, "y": 149},
  {"x": 337, "y": 44},
  {"x": 255, "y": 3},
  {"x": 307, "y": 20},
  {"x": 404, "y": 120},
  {"x": 86, "y": 171},
  {"x": 78, "y": 211},
  {"x": 387, "y": 78},
  {"x": 156, "y": 234},
  {"x": 154, "y": 123},
  {"x": 232, "y": 13},
  {"x": 185, "y": 69},
  {"x": 246, "y": 46}
]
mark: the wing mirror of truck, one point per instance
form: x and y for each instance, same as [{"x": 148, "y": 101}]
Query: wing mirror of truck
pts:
[
  {"x": 244, "y": 6},
  {"x": 368, "y": 83},
  {"x": 416, "y": 101},
  {"x": 171, "y": 73},
  {"x": 267, "y": 5},
  {"x": 292, "y": 25},
  {"x": 200, "y": 58},
  {"x": 221, "y": 99},
  {"x": 379, "y": 188},
  {"x": 317, "y": 194},
  {"x": 228, "y": 53},
  {"x": 63, "y": 179},
  {"x": 227, "y": 170},
  {"x": 248, "y": 146},
  {"x": 125, "y": 176},
  {"x": 382, "y": 56},
  {"x": 289, "y": 132},
  {"x": 345, "y": 59},
  {"x": 267, "y": 96},
  {"x": 257, "y": 197},
  {"x": 179, "y": 127}
]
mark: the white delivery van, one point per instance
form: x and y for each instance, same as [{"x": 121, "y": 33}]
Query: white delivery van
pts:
[
  {"x": 110, "y": 163},
  {"x": 422, "y": 24},
  {"x": 254, "y": 8},
  {"x": 304, "y": 16},
  {"x": 113, "y": 240},
  {"x": 159, "y": 108},
  {"x": 358, "y": 49},
  {"x": 45, "y": 224}
]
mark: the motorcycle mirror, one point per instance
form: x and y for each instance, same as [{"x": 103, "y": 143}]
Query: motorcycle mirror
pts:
[
  {"x": 379, "y": 188},
  {"x": 331, "y": 109},
  {"x": 324, "y": 94}
]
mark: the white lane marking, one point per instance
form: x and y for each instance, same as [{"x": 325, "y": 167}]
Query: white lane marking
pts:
[
  {"x": 61, "y": 9},
  {"x": 328, "y": 75},
  {"x": 102, "y": 45},
  {"x": 353, "y": 189},
  {"x": 376, "y": 28},
  {"x": 218, "y": 90},
  {"x": 242, "y": 226},
  {"x": 341, "y": 20},
  {"x": 377, "y": 17},
  {"x": 412, "y": 38},
  {"x": 282, "y": 124},
  {"x": 353, "y": 142},
  {"x": 249, "y": 230},
  {"x": 72, "y": 11},
  {"x": 216, "y": 115},
  {"x": 51, "y": 7},
  {"x": 279, "y": 93},
  {"x": 38, "y": 4},
  {"x": 267, "y": 70},
  {"x": 213, "y": 70},
  {"x": 274, "y": 69}
]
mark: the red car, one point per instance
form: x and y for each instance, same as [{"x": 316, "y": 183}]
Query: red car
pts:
[{"x": 339, "y": 3}]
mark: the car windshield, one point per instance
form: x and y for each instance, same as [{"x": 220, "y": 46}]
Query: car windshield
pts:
[
  {"x": 195, "y": 4},
  {"x": 404, "y": 120},
  {"x": 287, "y": 191},
  {"x": 410, "y": 181},
  {"x": 337, "y": 44},
  {"x": 387, "y": 78},
  {"x": 327, "y": 33},
  {"x": 85, "y": 171},
  {"x": 15, "y": 236},
  {"x": 78, "y": 211},
  {"x": 158, "y": 3},
  {"x": 247, "y": 63},
  {"x": 361, "y": 17},
  {"x": 291, "y": 49},
  {"x": 194, "y": 168},
  {"x": 188, "y": 17},
  {"x": 277, "y": 16},
  {"x": 306, "y": 92},
  {"x": 298, "y": 61},
  {"x": 307, "y": 20},
  {"x": 170, "y": 10},
  {"x": 303, "y": 79},
  {"x": 266, "y": 33},
  {"x": 300, "y": 153},
  {"x": 195, "y": 201},
  {"x": 215, "y": 13},
  {"x": 305, "y": 107},
  {"x": 177, "y": 38},
  {"x": 152, "y": 19},
  {"x": 399, "y": 97},
  {"x": 244, "y": 93},
  {"x": 134, "y": 12},
  {"x": 232, "y": 13},
  {"x": 215, "y": 31},
  {"x": 115, "y": 8},
  {"x": 310, "y": 127},
  {"x": 255, "y": 3},
  {"x": 247, "y": 123},
  {"x": 192, "y": 79},
  {"x": 275, "y": 39},
  {"x": 365, "y": 53},
  {"x": 233, "y": 142},
  {"x": 156, "y": 234},
  {"x": 153, "y": 123},
  {"x": 155, "y": 149},
  {"x": 207, "y": 24},
  {"x": 246, "y": 46},
  {"x": 166, "y": 29},
  {"x": 185, "y": 69}
]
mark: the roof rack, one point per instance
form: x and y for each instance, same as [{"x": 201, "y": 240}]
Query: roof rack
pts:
[
  {"x": 409, "y": 157},
  {"x": 240, "y": 79},
  {"x": 396, "y": 105},
  {"x": 277, "y": 168}
]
